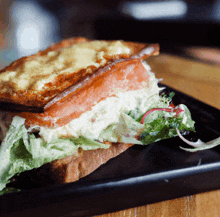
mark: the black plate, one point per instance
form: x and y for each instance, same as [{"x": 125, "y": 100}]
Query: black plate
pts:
[{"x": 139, "y": 176}]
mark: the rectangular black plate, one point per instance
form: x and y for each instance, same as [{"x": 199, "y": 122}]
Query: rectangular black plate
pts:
[{"x": 139, "y": 176}]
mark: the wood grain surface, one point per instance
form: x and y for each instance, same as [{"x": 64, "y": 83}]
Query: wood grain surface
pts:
[{"x": 201, "y": 81}]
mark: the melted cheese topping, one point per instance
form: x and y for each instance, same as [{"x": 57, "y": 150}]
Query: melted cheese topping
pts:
[{"x": 34, "y": 74}]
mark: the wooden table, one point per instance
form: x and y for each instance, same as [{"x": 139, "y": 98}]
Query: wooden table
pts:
[{"x": 202, "y": 81}]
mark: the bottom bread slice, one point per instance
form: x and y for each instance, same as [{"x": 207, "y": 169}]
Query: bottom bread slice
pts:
[
  {"x": 72, "y": 168},
  {"x": 68, "y": 169}
]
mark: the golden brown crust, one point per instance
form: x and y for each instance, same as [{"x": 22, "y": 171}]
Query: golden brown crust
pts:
[
  {"x": 29, "y": 98},
  {"x": 74, "y": 167}
]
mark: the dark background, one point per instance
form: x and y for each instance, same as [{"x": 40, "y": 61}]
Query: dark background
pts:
[
  {"x": 105, "y": 20},
  {"x": 98, "y": 19}
]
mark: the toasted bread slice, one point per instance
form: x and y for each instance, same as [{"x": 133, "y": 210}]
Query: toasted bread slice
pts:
[
  {"x": 75, "y": 167},
  {"x": 31, "y": 82}
]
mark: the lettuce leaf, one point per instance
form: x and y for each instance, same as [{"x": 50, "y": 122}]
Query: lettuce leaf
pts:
[
  {"x": 88, "y": 144},
  {"x": 161, "y": 125},
  {"x": 157, "y": 126},
  {"x": 21, "y": 151}
]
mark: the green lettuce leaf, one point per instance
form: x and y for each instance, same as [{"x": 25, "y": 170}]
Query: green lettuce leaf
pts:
[
  {"x": 88, "y": 144},
  {"x": 125, "y": 131},
  {"x": 21, "y": 151},
  {"x": 161, "y": 125}
]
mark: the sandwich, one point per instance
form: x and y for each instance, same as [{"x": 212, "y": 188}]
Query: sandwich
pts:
[{"x": 78, "y": 104}]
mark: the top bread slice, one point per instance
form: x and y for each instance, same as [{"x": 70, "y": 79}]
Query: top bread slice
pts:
[{"x": 33, "y": 81}]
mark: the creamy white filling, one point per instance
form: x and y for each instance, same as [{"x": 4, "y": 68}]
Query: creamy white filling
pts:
[{"x": 107, "y": 112}]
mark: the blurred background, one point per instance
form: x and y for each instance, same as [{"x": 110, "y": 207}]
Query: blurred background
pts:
[{"x": 187, "y": 26}]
